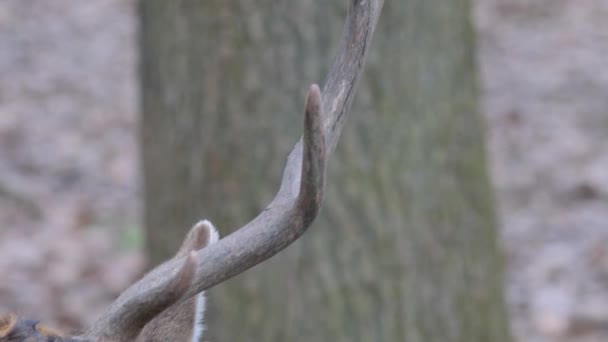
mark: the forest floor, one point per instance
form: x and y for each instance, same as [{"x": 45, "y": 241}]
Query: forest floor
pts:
[{"x": 70, "y": 193}]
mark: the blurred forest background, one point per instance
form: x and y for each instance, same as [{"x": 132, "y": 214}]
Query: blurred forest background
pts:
[{"x": 71, "y": 188}]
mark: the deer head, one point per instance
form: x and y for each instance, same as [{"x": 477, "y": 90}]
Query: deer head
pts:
[
  {"x": 167, "y": 304},
  {"x": 182, "y": 321}
]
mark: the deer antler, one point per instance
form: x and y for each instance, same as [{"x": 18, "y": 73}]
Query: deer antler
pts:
[{"x": 290, "y": 213}]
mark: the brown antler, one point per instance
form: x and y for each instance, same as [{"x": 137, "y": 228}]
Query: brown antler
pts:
[{"x": 289, "y": 214}]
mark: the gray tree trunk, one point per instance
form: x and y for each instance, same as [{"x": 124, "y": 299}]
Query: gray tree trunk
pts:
[{"x": 405, "y": 248}]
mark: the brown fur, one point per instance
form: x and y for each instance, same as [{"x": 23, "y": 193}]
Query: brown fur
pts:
[
  {"x": 169, "y": 326},
  {"x": 7, "y": 322},
  {"x": 13, "y": 329}
]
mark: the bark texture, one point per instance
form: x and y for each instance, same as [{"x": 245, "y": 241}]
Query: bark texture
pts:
[{"x": 405, "y": 248}]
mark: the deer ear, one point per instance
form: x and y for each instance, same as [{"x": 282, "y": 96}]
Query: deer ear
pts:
[
  {"x": 200, "y": 236},
  {"x": 183, "y": 321},
  {"x": 7, "y": 322}
]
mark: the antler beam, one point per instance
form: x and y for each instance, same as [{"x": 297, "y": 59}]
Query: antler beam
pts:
[{"x": 299, "y": 198}]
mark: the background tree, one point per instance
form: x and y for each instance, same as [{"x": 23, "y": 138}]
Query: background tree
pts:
[{"x": 405, "y": 248}]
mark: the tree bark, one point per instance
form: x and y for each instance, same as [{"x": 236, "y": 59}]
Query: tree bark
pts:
[{"x": 405, "y": 248}]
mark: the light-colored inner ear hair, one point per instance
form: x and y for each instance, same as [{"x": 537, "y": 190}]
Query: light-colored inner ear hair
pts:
[
  {"x": 199, "y": 313},
  {"x": 199, "y": 318}
]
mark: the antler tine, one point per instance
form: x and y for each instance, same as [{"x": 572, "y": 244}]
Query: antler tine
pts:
[
  {"x": 284, "y": 220},
  {"x": 343, "y": 76},
  {"x": 299, "y": 198}
]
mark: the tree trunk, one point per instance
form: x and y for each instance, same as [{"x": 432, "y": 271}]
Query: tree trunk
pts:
[{"x": 405, "y": 248}]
